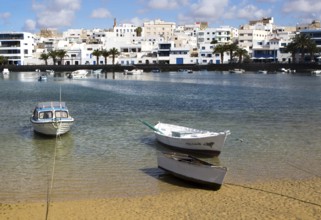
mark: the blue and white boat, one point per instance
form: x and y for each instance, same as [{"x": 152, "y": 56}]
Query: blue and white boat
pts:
[{"x": 51, "y": 118}]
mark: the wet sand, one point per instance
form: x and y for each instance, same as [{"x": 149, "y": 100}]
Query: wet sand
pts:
[{"x": 279, "y": 199}]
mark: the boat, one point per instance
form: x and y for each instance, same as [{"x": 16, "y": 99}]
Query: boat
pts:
[
  {"x": 133, "y": 72},
  {"x": 5, "y": 71},
  {"x": 316, "y": 72},
  {"x": 185, "y": 70},
  {"x": 189, "y": 139},
  {"x": 191, "y": 169},
  {"x": 284, "y": 70},
  {"x": 51, "y": 118},
  {"x": 42, "y": 78},
  {"x": 78, "y": 74},
  {"x": 156, "y": 70},
  {"x": 237, "y": 71},
  {"x": 262, "y": 71},
  {"x": 50, "y": 72}
]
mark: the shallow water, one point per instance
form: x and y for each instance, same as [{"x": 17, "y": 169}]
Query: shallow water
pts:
[{"x": 274, "y": 120}]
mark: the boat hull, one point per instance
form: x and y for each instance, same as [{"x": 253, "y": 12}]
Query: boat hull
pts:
[
  {"x": 199, "y": 141},
  {"x": 205, "y": 174},
  {"x": 52, "y": 128}
]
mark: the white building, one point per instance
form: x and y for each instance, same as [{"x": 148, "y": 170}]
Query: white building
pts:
[{"x": 17, "y": 46}]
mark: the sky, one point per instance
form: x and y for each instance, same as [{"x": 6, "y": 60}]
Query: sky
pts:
[{"x": 34, "y": 15}]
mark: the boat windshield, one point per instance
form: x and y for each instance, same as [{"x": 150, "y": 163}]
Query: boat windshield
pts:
[
  {"x": 45, "y": 114},
  {"x": 61, "y": 114}
]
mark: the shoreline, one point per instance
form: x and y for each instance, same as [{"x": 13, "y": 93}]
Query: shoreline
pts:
[
  {"x": 276, "y": 199},
  {"x": 301, "y": 68}
]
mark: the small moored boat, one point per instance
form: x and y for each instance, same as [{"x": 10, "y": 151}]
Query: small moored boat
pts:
[
  {"x": 133, "y": 72},
  {"x": 78, "y": 74},
  {"x": 237, "y": 71},
  {"x": 51, "y": 118},
  {"x": 192, "y": 169},
  {"x": 5, "y": 71},
  {"x": 189, "y": 139}
]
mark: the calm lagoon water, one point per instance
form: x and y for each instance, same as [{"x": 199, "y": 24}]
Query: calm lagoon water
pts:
[{"x": 274, "y": 121}]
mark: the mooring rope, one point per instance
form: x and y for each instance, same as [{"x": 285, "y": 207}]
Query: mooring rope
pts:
[
  {"x": 49, "y": 188},
  {"x": 274, "y": 193}
]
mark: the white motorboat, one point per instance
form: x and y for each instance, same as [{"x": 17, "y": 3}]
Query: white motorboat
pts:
[
  {"x": 51, "y": 118},
  {"x": 316, "y": 72},
  {"x": 237, "y": 71},
  {"x": 5, "y": 71},
  {"x": 78, "y": 74},
  {"x": 190, "y": 139},
  {"x": 133, "y": 72},
  {"x": 192, "y": 169}
]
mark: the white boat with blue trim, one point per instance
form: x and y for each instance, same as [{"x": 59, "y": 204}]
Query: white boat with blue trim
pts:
[
  {"x": 51, "y": 118},
  {"x": 189, "y": 139}
]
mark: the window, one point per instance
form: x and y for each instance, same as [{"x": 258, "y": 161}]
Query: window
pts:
[
  {"x": 61, "y": 114},
  {"x": 45, "y": 115}
]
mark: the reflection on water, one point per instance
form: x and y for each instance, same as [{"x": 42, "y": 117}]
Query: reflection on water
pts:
[{"x": 274, "y": 121}]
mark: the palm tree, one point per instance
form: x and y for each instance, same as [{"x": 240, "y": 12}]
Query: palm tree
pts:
[
  {"x": 221, "y": 49},
  {"x": 114, "y": 53},
  {"x": 231, "y": 48},
  {"x": 291, "y": 48},
  {"x": 312, "y": 48},
  {"x": 97, "y": 54},
  {"x": 53, "y": 54},
  {"x": 3, "y": 60},
  {"x": 61, "y": 54},
  {"x": 45, "y": 57},
  {"x": 301, "y": 42},
  {"x": 105, "y": 54},
  {"x": 138, "y": 31},
  {"x": 240, "y": 53}
]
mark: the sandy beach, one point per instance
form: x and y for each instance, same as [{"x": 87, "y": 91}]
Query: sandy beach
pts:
[{"x": 279, "y": 199}]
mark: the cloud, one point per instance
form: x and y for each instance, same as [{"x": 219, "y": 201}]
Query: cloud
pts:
[
  {"x": 305, "y": 10},
  {"x": 29, "y": 26},
  {"x": 252, "y": 12},
  {"x": 137, "y": 21},
  {"x": 208, "y": 9},
  {"x": 101, "y": 13},
  {"x": 303, "y": 6},
  {"x": 4, "y": 17},
  {"x": 55, "y": 13},
  {"x": 166, "y": 4}
]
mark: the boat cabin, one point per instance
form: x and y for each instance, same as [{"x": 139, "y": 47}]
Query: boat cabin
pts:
[{"x": 50, "y": 110}]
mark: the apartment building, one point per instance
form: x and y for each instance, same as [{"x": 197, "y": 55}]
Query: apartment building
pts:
[
  {"x": 159, "y": 28},
  {"x": 17, "y": 46}
]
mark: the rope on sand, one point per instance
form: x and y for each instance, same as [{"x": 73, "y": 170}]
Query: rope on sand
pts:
[
  {"x": 49, "y": 188},
  {"x": 274, "y": 193}
]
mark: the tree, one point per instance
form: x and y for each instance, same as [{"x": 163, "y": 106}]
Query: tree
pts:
[
  {"x": 45, "y": 57},
  {"x": 221, "y": 49},
  {"x": 114, "y": 53},
  {"x": 61, "y": 54},
  {"x": 312, "y": 48},
  {"x": 53, "y": 54},
  {"x": 105, "y": 54},
  {"x": 3, "y": 60},
  {"x": 302, "y": 44},
  {"x": 97, "y": 54},
  {"x": 231, "y": 48},
  {"x": 240, "y": 53},
  {"x": 291, "y": 48},
  {"x": 138, "y": 31},
  {"x": 214, "y": 41}
]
